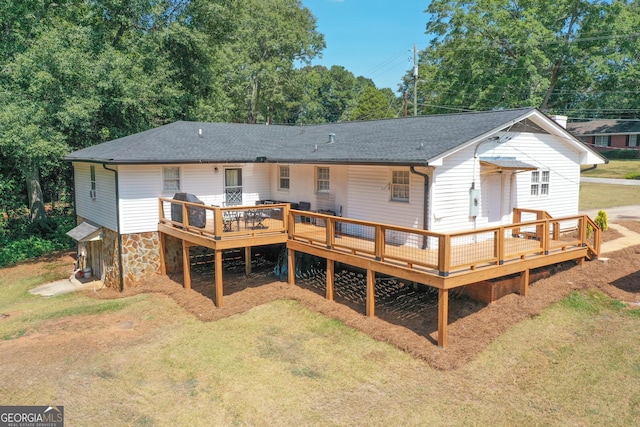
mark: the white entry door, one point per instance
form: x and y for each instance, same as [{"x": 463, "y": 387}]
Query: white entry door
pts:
[
  {"x": 495, "y": 198},
  {"x": 233, "y": 187}
]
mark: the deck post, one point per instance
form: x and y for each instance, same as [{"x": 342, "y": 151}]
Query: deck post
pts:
[
  {"x": 524, "y": 283},
  {"x": 331, "y": 265},
  {"x": 443, "y": 316},
  {"x": 185, "y": 216},
  {"x": 444, "y": 254},
  {"x": 379, "y": 242},
  {"x": 218, "y": 227},
  {"x": 371, "y": 293},
  {"x": 331, "y": 233},
  {"x": 291, "y": 266},
  {"x": 499, "y": 245},
  {"x": 545, "y": 237},
  {"x": 247, "y": 260},
  {"x": 161, "y": 247},
  {"x": 186, "y": 265},
  {"x": 218, "y": 278}
]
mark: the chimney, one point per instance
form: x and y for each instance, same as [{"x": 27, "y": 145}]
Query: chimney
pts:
[{"x": 561, "y": 120}]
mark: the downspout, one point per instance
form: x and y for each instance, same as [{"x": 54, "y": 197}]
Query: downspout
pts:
[
  {"x": 591, "y": 168},
  {"x": 425, "y": 208},
  {"x": 115, "y": 171}
]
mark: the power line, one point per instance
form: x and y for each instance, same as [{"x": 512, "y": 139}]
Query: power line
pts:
[
  {"x": 387, "y": 62},
  {"x": 530, "y": 43}
]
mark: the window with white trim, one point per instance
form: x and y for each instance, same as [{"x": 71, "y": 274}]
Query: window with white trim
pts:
[
  {"x": 632, "y": 140},
  {"x": 92, "y": 175},
  {"x": 602, "y": 141},
  {"x": 540, "y": 183},
  {"x": 400, "y": 181},
  {"x": 92, "y": 172},
  {"x": 171, "y": 178},
  {"x": 284, "y": 178},
  {"x": 322, "y": 180}
]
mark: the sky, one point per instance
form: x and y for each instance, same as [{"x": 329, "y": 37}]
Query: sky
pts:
[{"x": 371, "y": 38}]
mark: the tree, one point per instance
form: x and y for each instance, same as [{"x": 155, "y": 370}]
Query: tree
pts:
[
  {"x": 373, "y": 104},
  {"x": 85, "y": 72},
  {"x": 502, "y": 53},
  {"x": 272, "y": 35}
]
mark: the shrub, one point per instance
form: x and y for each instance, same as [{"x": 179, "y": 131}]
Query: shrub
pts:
[
  {"x": 601, "y": 220},
  {"x": 620, "y": 154},
  {"x": 632, "y": 175},
  {"x": 21, "y": 239}
]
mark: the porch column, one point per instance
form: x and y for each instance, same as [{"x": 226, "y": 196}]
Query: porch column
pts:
[
  {"x": 524, "y": 283},
  {"x": 218, "y": 278},
  {"x": 186, "y": 265},
  {"x": 443, "y": 316},
  {"x": 330, "y": 278},
  {"x": 291, "y": 266},
  {"x": 247, "y": 260},
  {"x": 371, "y": 293},
  {"x": 161, "y": 248}
]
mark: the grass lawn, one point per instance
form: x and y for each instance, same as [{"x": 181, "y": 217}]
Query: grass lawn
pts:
[
  {"x": 614, "y": 169},
  {"x": 145, "y": 361},
  {"x": 603, "y": 196}
]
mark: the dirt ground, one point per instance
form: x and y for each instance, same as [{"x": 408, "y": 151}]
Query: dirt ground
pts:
[{"x": 406, "y": 316}]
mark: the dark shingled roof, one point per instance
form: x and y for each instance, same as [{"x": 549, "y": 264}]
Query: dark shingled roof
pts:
[
  {"x": 604, "y": 127},
  {"x": 412, "y": 140}
]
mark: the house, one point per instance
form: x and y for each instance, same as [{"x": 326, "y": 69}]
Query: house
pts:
[
  {"x": 606, "y": 135},
  {"x": 440, "y": 173}
]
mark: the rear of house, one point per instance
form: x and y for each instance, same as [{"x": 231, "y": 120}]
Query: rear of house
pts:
[{"x": 439, "y": 173}]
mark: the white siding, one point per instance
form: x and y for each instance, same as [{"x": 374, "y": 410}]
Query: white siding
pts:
[
  {"x": 302, "y": 185},
  {"x": 564, "y": 167},
  {"x": 450, "y": 192},
  {"x": 142, "y": 185},
  {"x": 102, "y": 209},
  {"x": 370, "y": 197},
  {"x": 453, "y": 181}
]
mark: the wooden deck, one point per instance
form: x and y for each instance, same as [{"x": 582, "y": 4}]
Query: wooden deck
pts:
[{"x": 440, "y": 260}]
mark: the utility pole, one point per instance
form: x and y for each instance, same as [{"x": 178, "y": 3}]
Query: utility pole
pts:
[{"x": 415, "y": 80}]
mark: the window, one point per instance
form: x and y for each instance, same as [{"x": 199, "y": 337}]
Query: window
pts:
[
  {"x": 322, "y": 183},
  {"x": 632, "y": 140},
  {"x": 92, "y": 171},
  {"x": 400, "y": 186},
  {"x": 171, "y": 177},
  {"x": 602, "y": 141},
  {"x": 233, "y": 187},
  {"x": 540, "y": 183},
  {"x": 92, "y": 190},
  {"x": 283, "y": 182}
]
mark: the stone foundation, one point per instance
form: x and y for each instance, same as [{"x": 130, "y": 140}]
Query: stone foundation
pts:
[
  {"x": 110, "y": 254},
  {"x": 173, "y": 251},
  {"x": 140, "y": 257}
]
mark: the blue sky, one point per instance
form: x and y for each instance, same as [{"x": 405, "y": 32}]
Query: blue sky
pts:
[{"x": 371, "y": 38}]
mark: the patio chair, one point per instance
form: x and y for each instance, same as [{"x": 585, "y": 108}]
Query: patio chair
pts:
[{"x": 304, "y": 206}]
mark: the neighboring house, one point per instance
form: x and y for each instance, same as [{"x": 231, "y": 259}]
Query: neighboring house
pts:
[
  {"x": 605, "y": 135},
  {"x": 442, "y": 173}
]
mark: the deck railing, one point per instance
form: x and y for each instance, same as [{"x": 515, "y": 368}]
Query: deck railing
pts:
[
  {"x": 437, "y": 253},
  {"x": 445, "y": 253},
  {"x": 217, "y": 222}
]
